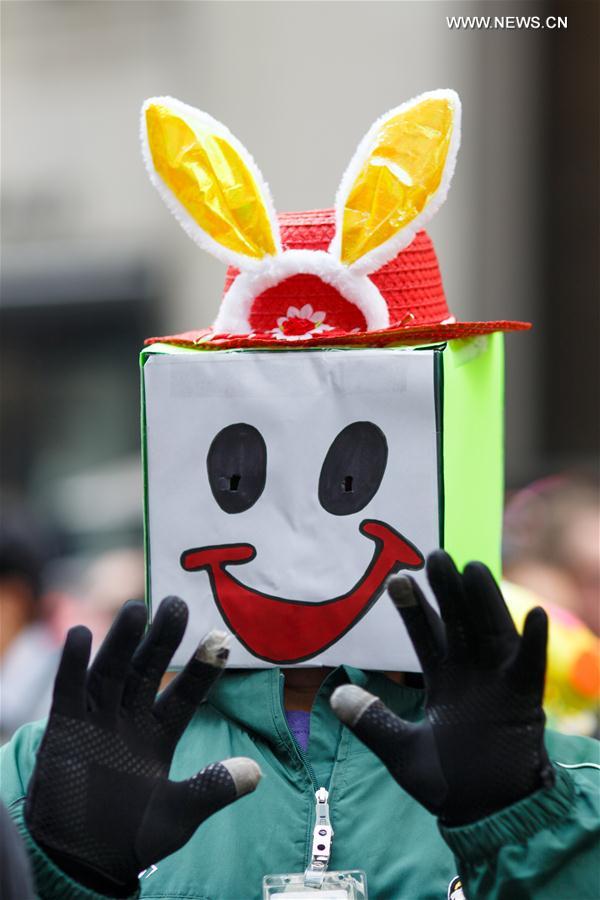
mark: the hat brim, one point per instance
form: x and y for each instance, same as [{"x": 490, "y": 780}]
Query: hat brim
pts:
[{"x": 406, "y": 336}]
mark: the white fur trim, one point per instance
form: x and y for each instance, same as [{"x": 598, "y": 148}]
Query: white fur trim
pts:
[
  {"x": 188, "y": 223},
  {"x": 358, "y": 289},
  {"x": 375, "y": 259}
]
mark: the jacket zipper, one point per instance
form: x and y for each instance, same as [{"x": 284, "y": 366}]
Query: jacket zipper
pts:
[{"x": 323, "y": 832}]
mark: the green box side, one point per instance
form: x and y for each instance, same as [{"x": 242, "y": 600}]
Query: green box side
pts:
[{"x": 473, "y": 450}]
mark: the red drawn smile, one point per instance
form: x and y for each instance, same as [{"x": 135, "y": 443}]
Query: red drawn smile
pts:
[{"x": 290, "y": 631}]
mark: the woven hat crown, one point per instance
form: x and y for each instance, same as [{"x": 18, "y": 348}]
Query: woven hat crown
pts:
[{"x": 411, "y": 283}]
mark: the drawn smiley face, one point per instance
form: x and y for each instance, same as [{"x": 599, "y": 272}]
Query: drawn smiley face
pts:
[
  {"x": 311, "y": 477},
  {"x": 277, "y": 629}
]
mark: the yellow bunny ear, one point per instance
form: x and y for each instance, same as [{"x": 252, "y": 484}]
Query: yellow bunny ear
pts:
[
  {"x": 397, "y": 180},
  {"x": 210, "y": 182}
]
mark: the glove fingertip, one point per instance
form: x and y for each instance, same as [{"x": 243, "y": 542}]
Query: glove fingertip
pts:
[
  {"x": 442, "y": 573},
  {"x": 135, "y": 613},
  {"x": 535, "y": 630},
  {"x": 245, "y": 773},
  {"x": 350, "y": 702},
  {"x": 476, "y": 565},
  {"x": 173, "y": 605},
  {"x": 78, "y": 636},
  {"x": 401, "y": 590},
  {"x": 77, "y": 648},
  {"x": 478, "y": 577},
  {"x": 214, "y": 649},
  {"x": 68, "y": 692},
  {"x": 170, "y": 621},
  {"x": 537, "y": 617},
  {"x": 440, "y": 560}
]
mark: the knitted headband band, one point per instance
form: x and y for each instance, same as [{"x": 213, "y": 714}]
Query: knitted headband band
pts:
[{"x": 396, "y": 181}]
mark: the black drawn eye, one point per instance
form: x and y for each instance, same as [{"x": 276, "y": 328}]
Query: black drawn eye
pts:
[
  {"x": 353, "y": 469},
  {"x": 237, "y": 467}
]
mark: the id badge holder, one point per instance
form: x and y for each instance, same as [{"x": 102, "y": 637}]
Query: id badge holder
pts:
[
  {"x": 348, "y": 885},
  {"x": 317, "y": 883}
]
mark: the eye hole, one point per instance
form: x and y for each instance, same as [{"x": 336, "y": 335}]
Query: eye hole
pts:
[
  {"x": 237, "y": 467},
  {"x": 353, "y": 469}
]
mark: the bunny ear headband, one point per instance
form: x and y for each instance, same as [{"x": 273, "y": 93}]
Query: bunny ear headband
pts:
[{"x": 396, "y": 181}]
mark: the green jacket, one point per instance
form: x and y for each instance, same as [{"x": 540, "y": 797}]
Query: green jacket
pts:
[{"x": 544, "y": 846}]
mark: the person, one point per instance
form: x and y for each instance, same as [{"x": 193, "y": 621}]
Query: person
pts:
[
  {"x": 29, "y": 648},
  {"x": 418, "y": 785},
  {"x": 552, "y": 543},
  {"x": 97, "y": 588},
  {"x": 478, "y": 794}
]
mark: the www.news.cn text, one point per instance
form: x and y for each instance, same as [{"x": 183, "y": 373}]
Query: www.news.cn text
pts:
[{"x": 505, "y": 23}]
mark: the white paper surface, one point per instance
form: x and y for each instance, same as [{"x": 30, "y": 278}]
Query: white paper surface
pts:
[{"x": 299, "y": 402}]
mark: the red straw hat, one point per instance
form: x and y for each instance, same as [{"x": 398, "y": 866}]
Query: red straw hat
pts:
[{"x": 364, "y": 273}]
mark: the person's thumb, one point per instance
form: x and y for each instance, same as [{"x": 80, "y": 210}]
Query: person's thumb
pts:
[
  {"x": 177, "y": 808},
  {"x": 388, "y": 736},
  {"x": 405, "y": 748}
]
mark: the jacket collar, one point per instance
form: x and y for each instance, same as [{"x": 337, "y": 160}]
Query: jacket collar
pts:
[{"x": 253, "y": 698}]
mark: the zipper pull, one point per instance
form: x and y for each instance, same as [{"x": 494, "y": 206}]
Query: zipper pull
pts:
[{"x": 322, "y": 839}]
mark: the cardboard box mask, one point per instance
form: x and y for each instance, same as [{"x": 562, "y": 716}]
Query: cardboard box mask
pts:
[{"x": 284, "y": 488}]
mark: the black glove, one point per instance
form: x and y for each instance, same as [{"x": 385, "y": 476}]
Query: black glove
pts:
[
  {"x": 480, "y": 746},
  {"x": 100, "y": 802}
]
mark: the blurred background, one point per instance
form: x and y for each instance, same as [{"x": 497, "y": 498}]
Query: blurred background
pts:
[{"x": 93, "y": 263}]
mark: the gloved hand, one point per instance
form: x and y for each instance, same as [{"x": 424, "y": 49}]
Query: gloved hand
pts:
[
  {"x": 100, "y": 802},
  {"x": 480, "y": 746}
]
